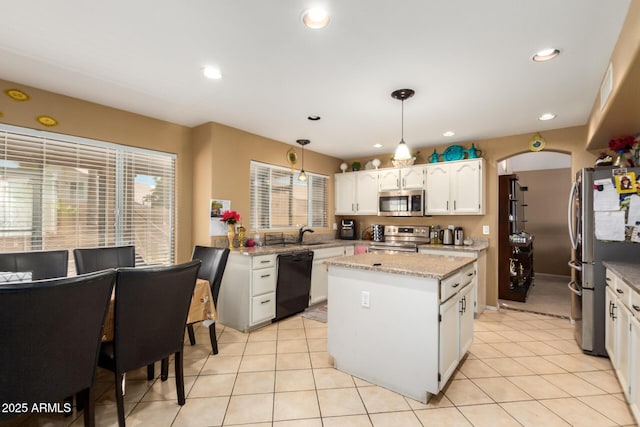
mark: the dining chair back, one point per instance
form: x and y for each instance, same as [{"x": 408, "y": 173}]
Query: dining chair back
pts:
[
  {"x": 50, "y": 338},
  {"x": 151, "y": 308},
  {"x": 96, "y": 259},
  {"x": 214, "y": 262},
  {"x": 41, "y": 264}
]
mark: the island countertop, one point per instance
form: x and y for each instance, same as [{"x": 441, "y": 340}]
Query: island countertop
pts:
[{"x": 409, "y": 264}]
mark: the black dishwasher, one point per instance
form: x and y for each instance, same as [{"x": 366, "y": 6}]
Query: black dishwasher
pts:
[{"x": 294, "y": 283}]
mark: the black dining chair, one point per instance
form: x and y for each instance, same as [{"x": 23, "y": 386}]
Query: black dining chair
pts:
[
  {"x": 96, "y": 259},
  {"x": 214, "y": 261},
  {"x": 150, "y": 315},
  {"x": 41, "y": 264},
  {"x": 50, "y": 337}
]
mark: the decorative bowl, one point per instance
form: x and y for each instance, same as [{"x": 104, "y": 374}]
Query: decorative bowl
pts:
[{"x": 403, "y": 163}]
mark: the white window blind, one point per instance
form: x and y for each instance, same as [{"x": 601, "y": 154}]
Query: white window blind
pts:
[
  {"x": 279, "y": 200},
  {"x": 62, "y": 192}
]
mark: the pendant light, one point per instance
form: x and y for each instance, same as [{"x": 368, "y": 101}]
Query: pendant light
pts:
[
  {"x": 402, "y": 151},
  {"x": 302, "y": 176}
]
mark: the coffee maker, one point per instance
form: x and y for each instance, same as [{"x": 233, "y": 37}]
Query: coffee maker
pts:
[{"x": 347, "y": 229}]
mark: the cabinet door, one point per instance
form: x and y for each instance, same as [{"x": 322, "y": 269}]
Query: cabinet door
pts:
[
  {"x": 437, "y": 189},
  {"x": 634, "y": 366},
  {"x": 466, "y": 187},
  {"x": 449, "y": 340},
  {"x": 412, "y": 178},
  {"x": 389, "y": 179},
  {"x": 367, "y": 193},
  {"x": 466, "y": 308},
  {"x": 319, "y": 282},
  {"x": 622, "y": 346},
  {"x": 610, "y": 326},
  {"x": 345, "y": 199}
]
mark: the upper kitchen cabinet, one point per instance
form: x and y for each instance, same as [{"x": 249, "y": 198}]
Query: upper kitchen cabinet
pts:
[
  {"x": 455, "y": 188},
  {"x": 357, "y": 193},
  {"x": 410, "y": 178}
]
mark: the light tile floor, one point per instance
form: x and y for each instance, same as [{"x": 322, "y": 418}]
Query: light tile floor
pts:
[
  {"x": 549, "y": 295},
  {"x": 523, "y": 369}
]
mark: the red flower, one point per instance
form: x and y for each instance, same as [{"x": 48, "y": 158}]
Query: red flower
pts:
[
  {"x": 622, "y": 143},
  {"x": 230, "y": 217}
]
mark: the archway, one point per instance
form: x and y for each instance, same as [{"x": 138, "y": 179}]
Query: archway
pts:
[{"x": 541, "y": 215}]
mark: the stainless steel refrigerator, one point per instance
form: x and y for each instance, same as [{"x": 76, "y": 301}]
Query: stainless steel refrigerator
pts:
[{"x": 588, "y": 274}]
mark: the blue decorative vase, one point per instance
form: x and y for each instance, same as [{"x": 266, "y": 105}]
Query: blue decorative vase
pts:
[
  {"x": 434, "y": 157},
  {"x": 472, "y": 153}
]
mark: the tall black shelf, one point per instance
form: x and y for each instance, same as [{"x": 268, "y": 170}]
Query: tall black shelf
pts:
[{"x": 515, "y": 248}]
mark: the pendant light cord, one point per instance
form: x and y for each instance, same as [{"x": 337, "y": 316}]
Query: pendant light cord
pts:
[{"x": 402, "y": 121}]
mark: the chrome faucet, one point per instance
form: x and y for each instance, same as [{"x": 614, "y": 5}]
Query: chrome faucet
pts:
[{"x": 301, "y": 232}]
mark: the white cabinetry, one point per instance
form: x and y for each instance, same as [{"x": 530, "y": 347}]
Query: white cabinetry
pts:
[
  {"x": 621, "y": 335},
  {"x": 410, "y": 178},
  {"x": 319, "y": 274},
  {"x": 455, "y": 188},
  {"x": 456, "y": 320},
  {"x": 356, "y": 193},
  {"x": 634, "y": 355},
  {"x": 247, "y": 296},
  {"x": 479, "y": 277}
]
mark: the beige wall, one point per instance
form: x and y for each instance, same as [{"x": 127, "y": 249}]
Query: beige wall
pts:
[
  {"x": 568, "y": 140},
  {"x": 88, "y": 120},
  {"x": 221, "y": 170},
  {"x": 546, "y": 214}
]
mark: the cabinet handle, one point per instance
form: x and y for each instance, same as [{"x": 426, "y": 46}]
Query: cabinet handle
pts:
[
  {"x": 264, "y": 302},
  {"x": 397, "y": 182},
  {"x": 469, "y": 274},
  {"x": 620, "y": 291},
  {"x": 404, "y": 182},
  {"x": 454, "y": 205},
  {"x": 456, "y": 285},
  {"x": 357, "y": 207},
  {"x": 635, "y": 307},
  {"x": 264, "y": 261},
  {"x": 265, "y": 275},
  {"x": 608, "y": 279},
  {"x": 613, "y": 313},
  {"x": 447, "y": 205},
  {"x": 461, "y": 310},
  {"x": 353, "y": 207}
]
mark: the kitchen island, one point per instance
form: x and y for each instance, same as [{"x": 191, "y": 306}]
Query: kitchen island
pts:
[{"x": 401, "y": 321}]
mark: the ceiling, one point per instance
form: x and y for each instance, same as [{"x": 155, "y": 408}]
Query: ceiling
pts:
[{"x": 468, "y": 61}]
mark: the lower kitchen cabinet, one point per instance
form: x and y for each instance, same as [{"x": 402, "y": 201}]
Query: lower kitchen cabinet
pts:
[
  {"x": 634, "y": 351},
  {"x": 247, "y": 296},
  {"x": 319, "y": 274},
  {"x": 622, "y": 336},
  {"x": 480, "y": 268},
  {"x": 456, "y": 321}
]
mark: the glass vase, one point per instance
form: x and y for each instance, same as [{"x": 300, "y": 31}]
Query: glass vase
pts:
[{"x": 620, "y": 159}]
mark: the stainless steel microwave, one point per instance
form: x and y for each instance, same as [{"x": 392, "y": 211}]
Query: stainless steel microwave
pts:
[{"x": 401, "y": 203}]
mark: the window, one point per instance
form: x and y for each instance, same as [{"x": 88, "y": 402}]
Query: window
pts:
[
  {"x": 280, "y": 200},
  {"x": 63, "y": 192}
]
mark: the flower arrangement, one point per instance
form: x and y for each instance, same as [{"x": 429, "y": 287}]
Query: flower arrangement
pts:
[
  {"x": 230, "y": 217},
  {"x": 622, "y": 144}
]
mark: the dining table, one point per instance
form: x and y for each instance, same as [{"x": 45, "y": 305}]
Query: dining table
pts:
[{"x": 202, "y": 308}]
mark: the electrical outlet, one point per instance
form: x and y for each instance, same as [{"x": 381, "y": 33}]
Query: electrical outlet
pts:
[
  {"x": 335, "y": 226},
  {"x": 485, "y": 230},
  {"x": 365, "y": 299},
  {"x": 451, "y": 227}
]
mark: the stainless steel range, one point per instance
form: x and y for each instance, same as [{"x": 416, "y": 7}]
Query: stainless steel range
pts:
[{"x": 402, "y": 238}]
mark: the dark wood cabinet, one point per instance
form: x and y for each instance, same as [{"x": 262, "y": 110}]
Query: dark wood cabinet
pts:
[{"x": 515, "y": 246}]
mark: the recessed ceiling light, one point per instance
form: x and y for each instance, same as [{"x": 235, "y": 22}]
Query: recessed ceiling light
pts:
[
  {"x": 377, "y": 145},
  {"x": 212, "y": 73},
  {"x": 314, "y": 118},
  {"x": 547, "y": 116},
  {"x": 449, "y": 133},
  {"x": 545, "y": 55},
  {"x": 315, "y": 18}
]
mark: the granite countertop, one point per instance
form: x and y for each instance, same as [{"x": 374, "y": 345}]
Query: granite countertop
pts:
[
  {"x": 292, "y": 247},
  {"x": 627, "y": 271},
  {"x": 408, "y": 264}
]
